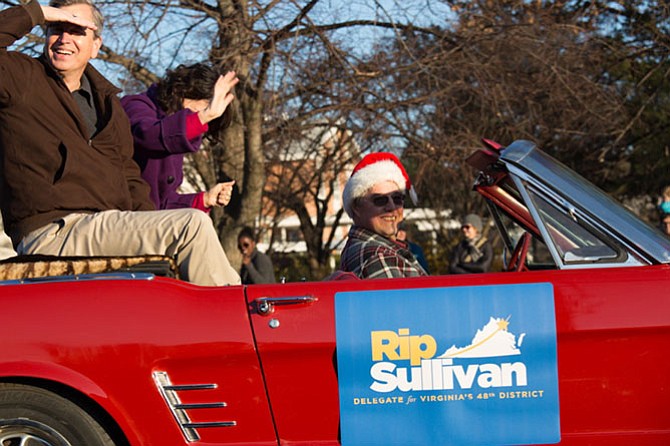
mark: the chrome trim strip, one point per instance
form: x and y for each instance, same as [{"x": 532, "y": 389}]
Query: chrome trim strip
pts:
[
  {"x": 211, "y": 424},
  {"x": 80, "y": 278},
  {"x": 190, "y": 387},
  {"x": 179, "y": 410},
  {"x": 530, "y": 205},
  {"x": 201, "y": 406}
]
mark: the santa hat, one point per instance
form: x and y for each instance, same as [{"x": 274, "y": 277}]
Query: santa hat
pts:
[{"x": 372, "y": 169}]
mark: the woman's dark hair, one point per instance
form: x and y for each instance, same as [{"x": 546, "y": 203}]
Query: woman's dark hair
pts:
[{"x": 195, "y": 82}]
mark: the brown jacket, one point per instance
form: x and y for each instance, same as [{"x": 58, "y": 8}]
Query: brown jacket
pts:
[{"x": 49, "y": 168}]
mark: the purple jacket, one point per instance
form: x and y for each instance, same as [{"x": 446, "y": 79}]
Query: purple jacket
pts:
[{"x": 160, "y": 145}]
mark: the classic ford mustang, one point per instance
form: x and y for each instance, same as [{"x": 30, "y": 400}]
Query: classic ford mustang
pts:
[{"x": 569, "y": 345}]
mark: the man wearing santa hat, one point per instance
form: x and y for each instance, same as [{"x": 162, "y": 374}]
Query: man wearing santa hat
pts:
[{"x": 374, "y": 198}]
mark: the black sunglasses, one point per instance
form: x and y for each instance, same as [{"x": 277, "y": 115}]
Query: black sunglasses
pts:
[{"x": 380, "y": 201}]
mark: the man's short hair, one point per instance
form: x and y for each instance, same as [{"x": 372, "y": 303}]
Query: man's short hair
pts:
[
  {"x": 98, "y": 19},
  {"x": 248, "y": 233}
]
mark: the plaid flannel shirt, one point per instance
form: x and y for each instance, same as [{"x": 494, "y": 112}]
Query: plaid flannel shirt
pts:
[{"x": 371, "y": 256}]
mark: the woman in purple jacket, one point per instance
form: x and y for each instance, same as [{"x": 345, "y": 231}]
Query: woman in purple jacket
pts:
[{"x": 169, "y": 120}]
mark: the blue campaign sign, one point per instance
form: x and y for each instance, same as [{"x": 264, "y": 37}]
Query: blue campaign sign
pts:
[{"x": 463, "y": 365}]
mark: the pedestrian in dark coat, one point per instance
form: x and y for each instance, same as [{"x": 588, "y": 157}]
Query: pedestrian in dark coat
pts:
[
  {"x": 256, "y": 266},
  {"x": 473, "y": 254}
]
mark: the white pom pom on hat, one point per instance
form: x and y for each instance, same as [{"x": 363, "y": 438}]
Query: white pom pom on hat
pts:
[{"x": 372, "y": 169}]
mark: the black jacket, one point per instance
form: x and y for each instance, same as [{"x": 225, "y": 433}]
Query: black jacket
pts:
[
  {"x": 471, "y": 256},
  {"x": 50, "y": 168}
]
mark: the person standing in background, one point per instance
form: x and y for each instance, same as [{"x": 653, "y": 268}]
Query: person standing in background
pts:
[
  {"x": 665, "y": 224},
  {"x": 256, "y": 266},
  {"x": 474, "y": 253},
  {"x": 414, "y": 248},
  {"x": 664, "y": 208}
]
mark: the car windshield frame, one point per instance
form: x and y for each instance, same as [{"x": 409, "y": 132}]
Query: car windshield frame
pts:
[
  {"x": 524, "y": 160},
  {"x": 573, "y": 239}
]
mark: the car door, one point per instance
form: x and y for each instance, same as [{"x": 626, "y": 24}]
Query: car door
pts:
[{"x": 294, "y": 329}]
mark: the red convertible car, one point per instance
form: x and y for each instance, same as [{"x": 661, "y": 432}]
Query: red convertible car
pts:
[{"x": 569, "y": 346}]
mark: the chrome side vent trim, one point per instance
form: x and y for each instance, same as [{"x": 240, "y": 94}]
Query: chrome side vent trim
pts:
[{"x": 179, "y": 410}]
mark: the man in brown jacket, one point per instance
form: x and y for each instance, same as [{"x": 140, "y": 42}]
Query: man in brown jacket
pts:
[{"x": 69, "y": 183}]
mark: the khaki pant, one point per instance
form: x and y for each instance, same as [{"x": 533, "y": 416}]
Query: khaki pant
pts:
[
  {"x": 6, "y": 248},
  {"x": 187, "y": 235}
]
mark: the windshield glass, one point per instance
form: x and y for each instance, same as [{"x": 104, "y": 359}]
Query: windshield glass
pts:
[{"x": 574, "y": 240}]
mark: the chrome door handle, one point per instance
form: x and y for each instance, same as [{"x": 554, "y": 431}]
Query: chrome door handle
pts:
[{"x": 265, "y": 305}]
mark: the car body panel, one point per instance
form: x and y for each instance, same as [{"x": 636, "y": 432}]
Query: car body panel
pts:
[{"x": 106, "y": 338}]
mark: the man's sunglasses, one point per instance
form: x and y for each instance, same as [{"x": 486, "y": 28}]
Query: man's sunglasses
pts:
[{"x": 380, "y": 201}]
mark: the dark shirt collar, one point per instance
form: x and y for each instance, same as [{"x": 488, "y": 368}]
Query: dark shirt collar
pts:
[
  {"x": 85, "y": 90},
  {"x": 84, "y": 98}
]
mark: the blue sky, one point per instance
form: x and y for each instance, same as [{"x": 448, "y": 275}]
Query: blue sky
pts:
[{"x": 170, "y": 34}]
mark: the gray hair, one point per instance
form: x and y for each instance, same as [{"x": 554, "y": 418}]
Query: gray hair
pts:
[{"x": 98, "y": 19}]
